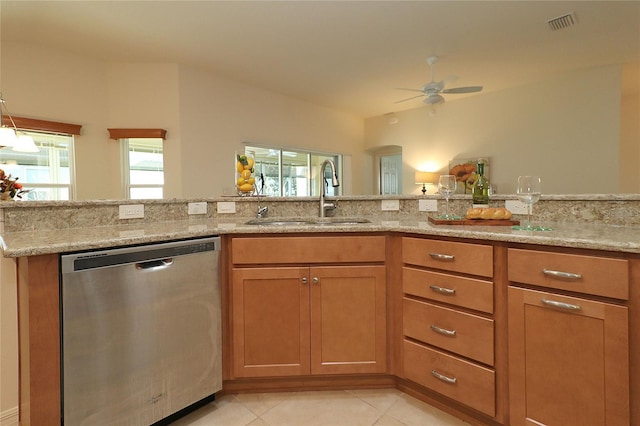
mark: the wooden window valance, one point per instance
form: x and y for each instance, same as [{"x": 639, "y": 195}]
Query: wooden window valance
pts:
[
  {"x": 42, "y": 125},
  {"x": 136, "y": 133}
]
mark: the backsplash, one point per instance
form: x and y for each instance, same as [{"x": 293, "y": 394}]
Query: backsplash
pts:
[{"x": 29, "y": 216}]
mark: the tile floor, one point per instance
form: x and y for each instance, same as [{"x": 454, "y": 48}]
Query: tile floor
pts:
[{"x": 380, "y": 407}]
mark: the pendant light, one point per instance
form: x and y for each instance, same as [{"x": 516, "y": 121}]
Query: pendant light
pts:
[{"x": 10, "y": 136}]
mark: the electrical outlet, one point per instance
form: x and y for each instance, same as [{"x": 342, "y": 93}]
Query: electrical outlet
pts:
[
  {"x": 226, "y": 206},
  {"x": 515, "y": 206},
  {"x": 427, "y": 205},
  {"x": 388, "y": 205},
  {"x": 132, "y": 211},
  {"x": 197, "y": 208}
]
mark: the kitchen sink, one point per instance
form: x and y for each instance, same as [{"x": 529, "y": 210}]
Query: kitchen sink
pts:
[
  {"x": 341, "y": 221},
  {"x": 307, "y": 222},
  {"x": 280, "y": 222}
]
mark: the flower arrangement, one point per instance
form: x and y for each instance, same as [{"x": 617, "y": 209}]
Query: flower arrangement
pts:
[{"x": 9, "y": 187}]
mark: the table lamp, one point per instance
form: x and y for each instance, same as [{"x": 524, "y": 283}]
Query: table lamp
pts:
[{"x": 424, "y": 178}]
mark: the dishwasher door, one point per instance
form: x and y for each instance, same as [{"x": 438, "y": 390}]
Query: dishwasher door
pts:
[{"x": 141, "y": 332}]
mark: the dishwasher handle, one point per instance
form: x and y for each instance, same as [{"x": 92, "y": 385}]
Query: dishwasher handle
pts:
[{"x": 155, "y": 264}]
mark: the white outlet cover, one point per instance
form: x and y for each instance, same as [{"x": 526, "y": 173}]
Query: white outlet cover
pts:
[
  {"x": 197, "y": 208},
  {"x": 515, "y": 206},
  {"x": 427, "y": 205},
  {"x": 389, "y": 205},
  {"x": 131, "y": 211},
  {"x": 226, "y": 207}
]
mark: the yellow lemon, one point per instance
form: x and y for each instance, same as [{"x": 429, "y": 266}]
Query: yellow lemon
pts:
[
  {"x": 246, "y": 174},
  {"x": 240, "y": 181},
  {"x": 249, "y": 164},
  {"x": 247, "y": 187},
  {"x": 239, "y": 167},
  {"x": 251, "y": 180}
]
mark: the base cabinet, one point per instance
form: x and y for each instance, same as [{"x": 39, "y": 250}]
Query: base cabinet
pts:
[
  {"x": 308, "y": 320},
  {"x": 568, "y": 355},
  {"x": 447, "y": 320}
]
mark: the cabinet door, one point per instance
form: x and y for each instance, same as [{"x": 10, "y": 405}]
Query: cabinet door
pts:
[
  {"x": 568, "y": 360},
  {"x": 270, "y": 322},
  {"x": 348, "y": 320}
]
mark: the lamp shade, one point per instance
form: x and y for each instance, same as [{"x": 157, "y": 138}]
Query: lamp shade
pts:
[
  {"x": 426, "y": 177},
  {"x": 25, "y": 143},
  {"x": 8, "y": 137}
]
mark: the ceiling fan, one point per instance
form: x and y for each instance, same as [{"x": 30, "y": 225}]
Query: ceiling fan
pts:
[{"x": 432, "y": 90}]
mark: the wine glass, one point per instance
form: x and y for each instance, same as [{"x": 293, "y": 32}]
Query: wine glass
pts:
[
  {"x": 447, "y": 186},
  {"x": 528, "y": 192}
]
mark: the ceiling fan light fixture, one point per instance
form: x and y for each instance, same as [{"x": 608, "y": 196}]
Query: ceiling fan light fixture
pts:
[{"x": 433, "y": 99}]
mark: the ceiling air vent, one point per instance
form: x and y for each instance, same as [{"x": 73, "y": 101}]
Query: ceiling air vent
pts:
[{"x": 562, "y": 22}]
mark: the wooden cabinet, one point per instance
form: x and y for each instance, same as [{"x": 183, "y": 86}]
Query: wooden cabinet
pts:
[
  {"x": 308, "y": 319},
  {"x": 448, "y": 323},
  {"x": 568, "y": 353}
]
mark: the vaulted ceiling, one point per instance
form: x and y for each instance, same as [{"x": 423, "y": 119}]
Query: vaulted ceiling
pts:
[{"x": 347, "y": 55}]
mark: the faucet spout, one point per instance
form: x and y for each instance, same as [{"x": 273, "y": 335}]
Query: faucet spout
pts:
[{"x": 324, "y": 206}]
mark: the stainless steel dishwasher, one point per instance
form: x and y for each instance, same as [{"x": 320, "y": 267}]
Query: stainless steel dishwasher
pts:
[{"x": 141, "y": 332}]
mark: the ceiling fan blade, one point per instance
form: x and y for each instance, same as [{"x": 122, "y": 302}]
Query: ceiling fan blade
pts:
[
  {"x": 468, "y": 89},
  {"x": 408, "y": 99},
  {"x": 411, "y": 90}
]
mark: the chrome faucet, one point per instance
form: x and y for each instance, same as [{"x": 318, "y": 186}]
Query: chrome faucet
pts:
[
  {"x": 334, "y": 182},
  {"x": 262, "y": 210}
]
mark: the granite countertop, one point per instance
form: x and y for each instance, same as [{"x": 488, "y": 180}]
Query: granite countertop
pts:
[{"x": 587, "y": 236}]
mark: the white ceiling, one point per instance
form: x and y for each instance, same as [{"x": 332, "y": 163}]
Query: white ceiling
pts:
[{"x": 347, "y": 55}]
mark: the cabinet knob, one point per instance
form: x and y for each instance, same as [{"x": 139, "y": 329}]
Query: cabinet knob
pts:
[
  {"x": 304, "y": 280},
  {"x": 315, "y": 280}
]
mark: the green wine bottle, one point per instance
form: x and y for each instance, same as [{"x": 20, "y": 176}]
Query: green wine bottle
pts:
[{"x": 480, "y": 190}]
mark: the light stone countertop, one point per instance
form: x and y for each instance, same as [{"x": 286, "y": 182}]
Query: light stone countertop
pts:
[{"x": 586, "y": 236}]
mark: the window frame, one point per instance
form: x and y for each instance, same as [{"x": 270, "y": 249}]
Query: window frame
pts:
[
  {"x": 310, "y": 177},
  {"x": 35, "y": 126},
  {"x": 127, "y": 186}
]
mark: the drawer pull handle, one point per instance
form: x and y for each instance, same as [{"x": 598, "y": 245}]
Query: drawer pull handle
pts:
[
  {"x": 304, "y": 280},
  {"x": 561, "y": 275},
  {"x": 442, "y": 290},
  {"x": 443, "y": 331},
  {"x": 561, "y": 305},
  {"x": 440, "y": 256},
  {"x": 444, "y": 378}
]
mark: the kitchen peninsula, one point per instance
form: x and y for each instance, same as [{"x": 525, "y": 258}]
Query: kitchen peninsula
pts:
[{"x": 495, "y": 272}]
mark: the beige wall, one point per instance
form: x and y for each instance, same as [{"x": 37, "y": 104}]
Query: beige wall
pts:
[
  {"x": 630, "y": 143},
  {"x": 145, "y": 96},
  {"x": 567, "y": 130},
  {"x": 217, "y": 116}
]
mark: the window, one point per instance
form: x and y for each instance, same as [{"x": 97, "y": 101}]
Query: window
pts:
[
  {"x": 47, "y": 174},
  {"x": 143, "y": 169},
  {"x": 292, "y": 173}
]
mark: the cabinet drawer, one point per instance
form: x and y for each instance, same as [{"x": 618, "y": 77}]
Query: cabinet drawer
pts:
[
  {"x": 461, "y": 291},
  {"x": 475, "y": 259},
  {"x": 461, "y": 380},
  {"x": 600, "y": 276},
  {"x": 307, "y": 250},
  {"x": 465, "y": 334}
]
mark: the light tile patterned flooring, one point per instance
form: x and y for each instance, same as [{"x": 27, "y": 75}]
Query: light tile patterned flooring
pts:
[{"x": 379, "y": 407}]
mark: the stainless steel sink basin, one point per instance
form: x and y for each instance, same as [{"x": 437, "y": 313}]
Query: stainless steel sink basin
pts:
[
  {"x": 279, "y": 222},
  {"x": 307, "y": 222},
  {"x": 341, "y": 221}
]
